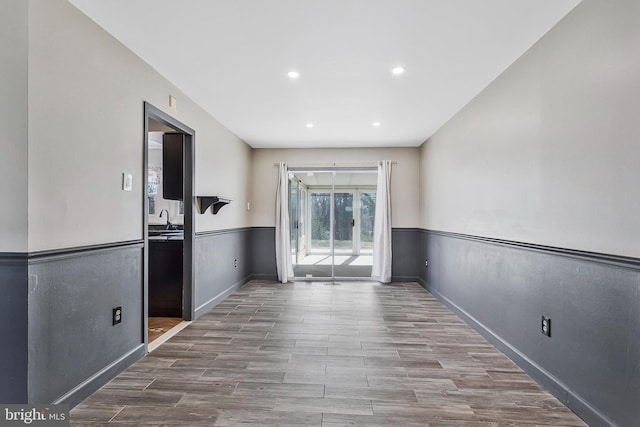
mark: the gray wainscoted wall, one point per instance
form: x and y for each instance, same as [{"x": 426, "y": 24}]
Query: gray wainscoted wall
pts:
[
  {"x": 502, "y": 288},
  {"x": 407, "y": 254},
  {"x": 57, "y": 309},
  {"x": 406, "y": 245},
  {"x": 13, "y": 327},
  {"x": 263, "y": 253},
  {"x": 222, "y": 264},
  {"x": 72, "y": 342}
]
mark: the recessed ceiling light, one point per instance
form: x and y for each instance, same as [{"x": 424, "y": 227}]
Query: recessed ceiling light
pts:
[
  {"x": 309, "y": 125},
  {"x": 375, "y": 124},
  {"x": 293, "y": 74},
  {"x": 398, "y": 70}
]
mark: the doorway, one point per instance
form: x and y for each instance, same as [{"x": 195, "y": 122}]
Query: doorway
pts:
[
  {"x": 332, "y": 216},
  {"x": 168, "y": 226}
]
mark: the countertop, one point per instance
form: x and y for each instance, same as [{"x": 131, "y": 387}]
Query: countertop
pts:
[{"x": 167, "y": 238}]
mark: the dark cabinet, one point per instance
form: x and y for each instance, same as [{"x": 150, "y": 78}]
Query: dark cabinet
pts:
[
  {"x": 165, "y": 278},
  {"x": 172, "y": 166}
]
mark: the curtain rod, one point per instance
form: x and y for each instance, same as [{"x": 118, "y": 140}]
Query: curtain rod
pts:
[{"x": 334, "y": 165}]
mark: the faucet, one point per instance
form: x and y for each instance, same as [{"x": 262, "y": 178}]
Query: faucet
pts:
[{"x": 169, "y": 225}]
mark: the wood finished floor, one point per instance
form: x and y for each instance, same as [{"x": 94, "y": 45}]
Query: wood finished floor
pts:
[{"x": 313, "y": 354}]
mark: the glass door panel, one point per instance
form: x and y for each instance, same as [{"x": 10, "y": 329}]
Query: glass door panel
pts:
[
  {"x": 314, "y": 244},
  {"x": 365, "y": 226},
  {"x": 344, "y": 222},
  {"x": 320, "y": 210},
  {"x": 293, "y": 219},
  {"x": 302, "y": 220}
]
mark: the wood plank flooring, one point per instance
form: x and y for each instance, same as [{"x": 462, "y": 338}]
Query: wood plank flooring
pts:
[{"x": 313, "y": 354}]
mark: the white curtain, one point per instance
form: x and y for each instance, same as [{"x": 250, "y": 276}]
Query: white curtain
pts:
[
  {"x": 381, "y": 270},
  {"x": 283, "y": 243}
]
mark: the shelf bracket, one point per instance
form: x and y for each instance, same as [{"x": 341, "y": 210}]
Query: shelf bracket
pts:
[{"x": 217, "y": 202}]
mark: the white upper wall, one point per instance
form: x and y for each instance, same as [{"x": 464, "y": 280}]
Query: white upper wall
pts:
[
  {"x": 404, "y": 178},
  {"x": 14, "y": 125},
  {"x": 86, "y": 94},
  {"x": 549, "y": 152}
]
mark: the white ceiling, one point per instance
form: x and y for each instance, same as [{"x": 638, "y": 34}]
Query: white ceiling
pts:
[{"x": 232, "y": 58}]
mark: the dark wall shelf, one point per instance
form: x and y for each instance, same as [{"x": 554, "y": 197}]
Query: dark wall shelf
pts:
[{"x": 217, "y": 202}]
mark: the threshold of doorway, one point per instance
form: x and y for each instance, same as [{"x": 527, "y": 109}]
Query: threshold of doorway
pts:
[{"x": 167, "y": 335}]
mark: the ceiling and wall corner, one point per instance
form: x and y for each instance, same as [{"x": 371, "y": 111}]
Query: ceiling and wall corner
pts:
[{"x": 234, "y": 60}]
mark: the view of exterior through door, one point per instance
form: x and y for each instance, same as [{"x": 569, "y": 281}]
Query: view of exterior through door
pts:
[{"x": 332, "y": 216}]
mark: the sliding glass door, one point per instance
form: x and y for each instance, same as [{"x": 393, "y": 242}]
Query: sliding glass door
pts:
[{"x": 332, "y": 224}]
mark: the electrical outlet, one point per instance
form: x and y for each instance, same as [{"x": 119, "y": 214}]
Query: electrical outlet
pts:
[
  {"x": 235, "y": 263},
  {"x": 117, "y": 315},
  {"x": 426, "y": 263},
  {"x": 545, "y": 326}
]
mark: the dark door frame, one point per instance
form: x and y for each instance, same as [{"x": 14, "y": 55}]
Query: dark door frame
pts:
[{"x": 188, "y": 281}]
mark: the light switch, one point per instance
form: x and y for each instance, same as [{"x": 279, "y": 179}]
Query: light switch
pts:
[
  {"x": 127, "y": 181},
  {"x": 173, "y": 103}
]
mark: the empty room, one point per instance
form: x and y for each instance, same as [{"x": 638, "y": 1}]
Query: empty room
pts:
[{"x": 320, "y": 212}]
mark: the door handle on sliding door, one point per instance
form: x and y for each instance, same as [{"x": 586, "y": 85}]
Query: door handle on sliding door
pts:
[{"x": 353, "y": 222}]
